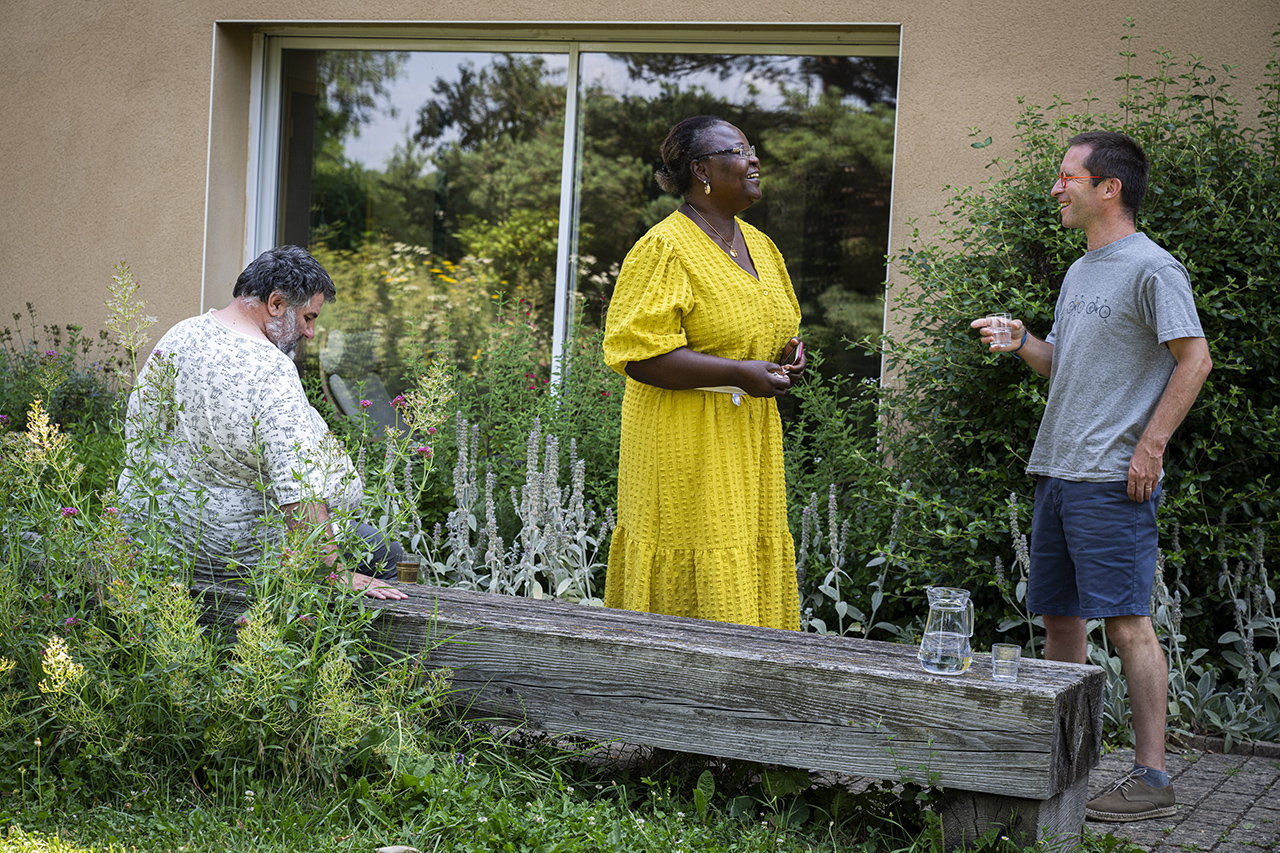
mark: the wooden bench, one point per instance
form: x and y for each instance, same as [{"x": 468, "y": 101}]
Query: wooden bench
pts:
[{"x": 1012, "y": 755}]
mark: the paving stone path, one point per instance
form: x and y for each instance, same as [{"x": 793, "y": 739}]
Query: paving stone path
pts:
[{"x": 1227, "y": 803}]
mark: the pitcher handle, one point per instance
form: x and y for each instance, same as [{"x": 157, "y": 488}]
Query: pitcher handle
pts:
[{"x": 969, "y": 617}]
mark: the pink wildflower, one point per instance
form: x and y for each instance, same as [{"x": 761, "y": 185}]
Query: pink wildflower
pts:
[
  {"x": 4, "y": 420},
  {"x": 424, "y": 451},
  {"x": 70, "y": 622},
  {"x": 69, "y": 512},
  {"x": 398, "y": 402},
  {"x": 332, "y": 577},
  {"x": 242, "y": 620},
  {"x": 431, "y": 430},
  {"x": 364, "y": 404}
]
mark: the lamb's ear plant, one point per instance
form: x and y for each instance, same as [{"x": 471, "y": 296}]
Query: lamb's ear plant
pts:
[{"x": 560, "y": 547}]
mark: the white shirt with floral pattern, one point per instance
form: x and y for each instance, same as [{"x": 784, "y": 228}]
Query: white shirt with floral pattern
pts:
[{"x": 220, "y": 435}]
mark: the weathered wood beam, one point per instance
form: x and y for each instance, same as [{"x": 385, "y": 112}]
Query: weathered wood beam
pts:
[{"x": 1016, "y": 755}]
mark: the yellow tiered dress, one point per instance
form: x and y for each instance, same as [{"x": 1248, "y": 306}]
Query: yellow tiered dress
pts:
[{"x": 702, "y": 513}]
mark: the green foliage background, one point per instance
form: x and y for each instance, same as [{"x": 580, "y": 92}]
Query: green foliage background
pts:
[
  {"x": 476, "y": 184},
  {"x": 959, "y": 422}
]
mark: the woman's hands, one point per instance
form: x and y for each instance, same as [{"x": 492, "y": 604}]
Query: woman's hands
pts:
[
  {"x": 790, "y": 368},
  {"x": 684, "y": 369},
  {"x": 794, "y": 358},
  {"x": 763, "y": 378}
]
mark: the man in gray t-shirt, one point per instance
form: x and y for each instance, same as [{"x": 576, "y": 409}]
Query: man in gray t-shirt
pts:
[{"x": 1125, "y": 358}]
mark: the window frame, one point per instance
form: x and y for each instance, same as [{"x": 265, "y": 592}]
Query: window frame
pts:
[{"x": 262, "y": 193}]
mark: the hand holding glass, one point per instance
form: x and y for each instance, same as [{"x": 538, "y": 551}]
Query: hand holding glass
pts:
[{"x": 1000, "y": 329}]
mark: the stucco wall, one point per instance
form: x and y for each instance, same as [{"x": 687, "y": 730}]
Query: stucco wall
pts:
[{"x": 106, "y": 109}]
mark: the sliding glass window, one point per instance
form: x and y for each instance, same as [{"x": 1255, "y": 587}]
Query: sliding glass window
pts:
[{"x": 441, "y": 187}]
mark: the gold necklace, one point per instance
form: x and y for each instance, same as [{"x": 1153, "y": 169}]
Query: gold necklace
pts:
[{"x": 732, "y": 252}]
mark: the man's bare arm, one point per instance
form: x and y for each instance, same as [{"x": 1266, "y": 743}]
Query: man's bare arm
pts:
[
  {"x": 1036, "y": 353},
  {"x": 1194, "y": 364},
  {"x": 315, "y": 515}
]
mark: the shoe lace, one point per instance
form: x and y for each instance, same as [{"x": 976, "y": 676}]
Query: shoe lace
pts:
[{"x": 1126, "y": 780}]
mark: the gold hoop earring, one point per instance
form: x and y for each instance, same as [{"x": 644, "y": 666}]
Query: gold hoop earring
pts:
[{"x": 706, "y": 187}]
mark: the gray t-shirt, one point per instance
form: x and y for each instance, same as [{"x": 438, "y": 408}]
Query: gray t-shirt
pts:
[
  {"x": 1118, "y": 307},
  {"x": 237, "y": 439}
]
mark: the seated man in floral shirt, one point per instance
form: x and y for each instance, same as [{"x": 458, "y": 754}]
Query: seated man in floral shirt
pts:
[{"x": 221, "y": 438}]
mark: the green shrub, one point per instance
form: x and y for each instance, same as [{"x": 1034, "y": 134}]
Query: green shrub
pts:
[
  {"x": 73, "y": 374},
  {"x": 958, "y": 422}
]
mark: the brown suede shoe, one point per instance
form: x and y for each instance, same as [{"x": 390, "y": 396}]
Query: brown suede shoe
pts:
[{"x": 1131, "y": 798}]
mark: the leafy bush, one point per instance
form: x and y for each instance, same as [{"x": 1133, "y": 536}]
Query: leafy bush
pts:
[{"x": 959, "y": 422}]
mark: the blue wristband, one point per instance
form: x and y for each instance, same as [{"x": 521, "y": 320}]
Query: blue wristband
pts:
[{"x": 1024, "y": 341}]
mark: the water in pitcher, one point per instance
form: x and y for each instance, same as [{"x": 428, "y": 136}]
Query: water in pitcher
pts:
[
  {"x": 944, "y": 648},
  {"x": 945, "y": 652}
]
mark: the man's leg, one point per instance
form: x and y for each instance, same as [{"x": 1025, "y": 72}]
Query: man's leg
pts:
[
  {"x": 1051, "y": 586},
  {"x": 1064, "y": 638},
  {"x": 1147, "y": 673},
  {"x": 381, "y": 556},
  {"x": 1121, "y": 556}
]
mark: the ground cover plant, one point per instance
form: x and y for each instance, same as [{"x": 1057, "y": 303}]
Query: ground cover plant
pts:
[{"x": 124, "y": 723}]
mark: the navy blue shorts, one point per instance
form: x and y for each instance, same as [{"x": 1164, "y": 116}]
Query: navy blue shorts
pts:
[{"x": 1093, "y": 551}]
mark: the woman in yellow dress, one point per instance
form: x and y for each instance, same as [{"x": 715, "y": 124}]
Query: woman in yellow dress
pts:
[{"x": 702, "y": 323}]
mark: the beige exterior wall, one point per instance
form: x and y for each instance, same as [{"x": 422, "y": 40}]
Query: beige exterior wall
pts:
[{"x": 125, "y": 127}]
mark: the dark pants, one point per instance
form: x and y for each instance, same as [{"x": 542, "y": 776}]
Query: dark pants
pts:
[{"x": 380, "y": 561}]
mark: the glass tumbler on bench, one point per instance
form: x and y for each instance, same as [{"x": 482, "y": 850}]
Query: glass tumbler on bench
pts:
[{"x": 1004, "y": 661}]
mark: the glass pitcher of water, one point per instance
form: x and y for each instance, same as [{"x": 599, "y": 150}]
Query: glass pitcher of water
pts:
[{"x": 944, "y": 648}]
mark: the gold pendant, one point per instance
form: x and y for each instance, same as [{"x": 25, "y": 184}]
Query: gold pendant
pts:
[{"x": 732, "y": 253}]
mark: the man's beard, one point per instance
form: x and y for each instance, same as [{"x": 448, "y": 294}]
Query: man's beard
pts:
[{"x": 283, "y": 331}]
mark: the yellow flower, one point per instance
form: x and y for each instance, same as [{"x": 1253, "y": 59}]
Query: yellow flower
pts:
[
  {"x": 42, "y": 433},
  {"x": 425, "y": 405},
  {"x": 60, "y": 671}
]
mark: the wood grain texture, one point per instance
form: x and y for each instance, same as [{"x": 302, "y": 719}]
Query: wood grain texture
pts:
[
  {"x": 967, "y": 815},
  {"x": 821, "y": 703}
]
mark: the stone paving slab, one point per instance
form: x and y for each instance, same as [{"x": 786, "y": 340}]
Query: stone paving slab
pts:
[{"x": 1227, "y": 803}]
